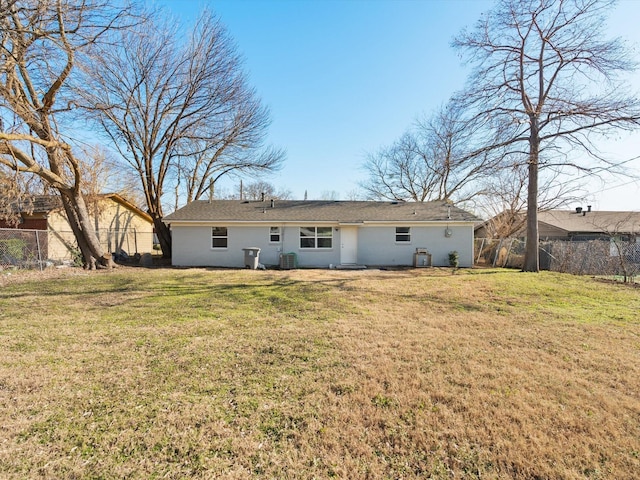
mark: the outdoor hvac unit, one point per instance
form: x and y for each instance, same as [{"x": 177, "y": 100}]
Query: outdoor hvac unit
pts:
[
  {"x": 288, "y": 261},
  {"x": 422, "y": 258}
]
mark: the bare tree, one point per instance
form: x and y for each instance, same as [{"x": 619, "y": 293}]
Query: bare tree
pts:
[
  {"x": 179, "y": 112},
  {"x": 101, "y": 174},
  {"x": 203, "y": 168},
  {"x": 545, "y": 81},
  {"x": 505, "y": 201},
  {"x": 626, "y": 252},
  {"x": 260, "y": 190},
  {"x": 40, "y": 41},
  {"x": 329, "y": 195},
  {"x": 355, "y": 195},
  {"x": 433, "y": 161},
  {"x": 14, "y": 196}
]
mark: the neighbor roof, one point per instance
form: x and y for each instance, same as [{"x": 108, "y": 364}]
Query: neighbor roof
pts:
[
  {"x": 49, "y": 203},
  {"x": 36, "y": 204},
  {"x": 46, "y": 203},
  {"x": 592, "y": 222},
  {"x": 318, "y": 210}
]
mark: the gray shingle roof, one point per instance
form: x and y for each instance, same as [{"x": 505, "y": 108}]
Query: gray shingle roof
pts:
[
  {"x": 319, "y": 211},
  {"x": 594, "y": 221},
  {"x": 48, "y": 203},
  {"x": 36, "y": 204}
]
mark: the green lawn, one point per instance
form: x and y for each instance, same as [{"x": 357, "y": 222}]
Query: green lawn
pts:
[{"x": 235, "y": 374}]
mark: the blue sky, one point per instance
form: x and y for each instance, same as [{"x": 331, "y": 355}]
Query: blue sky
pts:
[{"x": 345, "y": 77}]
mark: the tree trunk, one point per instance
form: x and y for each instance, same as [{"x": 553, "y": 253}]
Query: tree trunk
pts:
[
  {"x": 531, "y": 258},
  {"x": 164, "y": 236},
  {"x": 78, "y": 216}
]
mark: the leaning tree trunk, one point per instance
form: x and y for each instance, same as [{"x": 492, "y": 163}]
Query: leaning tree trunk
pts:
[
  {"x": 164, "y": 235},
  {"x": 92, "y": 253}
]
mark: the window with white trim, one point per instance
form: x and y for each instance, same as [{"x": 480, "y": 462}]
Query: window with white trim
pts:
[
  {"x": 274, "y": 234},
  {"x": 219, "y": 237},
  {"x": 316, "y": 237},
  {"x": 403, "y": 234}
]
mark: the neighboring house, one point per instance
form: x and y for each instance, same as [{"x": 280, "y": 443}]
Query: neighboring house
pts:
[
  {"x": 577, "y": 225},
  {"x": 120, "y": 225},
  {"x": 320, "y": 233},
  {"x": 587, "y": 224}
]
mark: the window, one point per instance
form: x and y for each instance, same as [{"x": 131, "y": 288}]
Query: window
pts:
[
  {"x": 316, "y": 237},
  {"x": 403, "y": 234},
  {"x": 274, "y": 234},
  {"x": 219, "y": 237}
]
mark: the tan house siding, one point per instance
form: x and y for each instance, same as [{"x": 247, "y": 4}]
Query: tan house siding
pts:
[
  {"x": 118, "y": 228},
  {"x": 119, "y": 225}
]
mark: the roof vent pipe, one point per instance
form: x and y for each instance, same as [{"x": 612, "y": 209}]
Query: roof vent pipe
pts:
[
  {"x": 588, "y": 208},
  {"x": 578, "y": 210},
  {"x": 262, "y": 197},
  {"x": 273, "y": 203}
]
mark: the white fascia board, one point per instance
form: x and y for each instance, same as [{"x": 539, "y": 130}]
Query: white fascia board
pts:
[
  {"x": 386, "y": 223},
  {"x": 251, "y": 223},
  {"x": 427, "y": 223}
]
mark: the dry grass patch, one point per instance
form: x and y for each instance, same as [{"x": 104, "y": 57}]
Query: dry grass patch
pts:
[{"x": 319, "y": 374}]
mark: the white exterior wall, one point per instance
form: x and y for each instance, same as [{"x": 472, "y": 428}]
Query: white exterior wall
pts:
[
  {"x": 376, "y": 245},
  {"x": 192, "y": 246},
  {"x": 310, "y": 257}
]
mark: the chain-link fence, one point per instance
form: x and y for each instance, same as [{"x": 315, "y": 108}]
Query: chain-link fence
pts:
[
  {"x": 22, "y": 248},
  {"x": 507, "y": 252},
  {"x": 613, "y": 257},
  {"x": 35, "y": 249},
  {"x": 597, "y": 257}
]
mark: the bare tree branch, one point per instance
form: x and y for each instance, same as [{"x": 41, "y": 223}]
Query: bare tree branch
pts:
[
  {"x": 536, "y": 66},
  {"x": 434, "y": 161},
  {"x": 180, "y": 113},
  {"x": 39, "y": 44}
]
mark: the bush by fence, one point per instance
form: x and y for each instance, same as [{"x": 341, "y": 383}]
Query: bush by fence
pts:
[{"x": 22, "y": 248}]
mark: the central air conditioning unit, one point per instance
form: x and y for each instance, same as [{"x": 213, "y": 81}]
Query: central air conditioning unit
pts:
[{"x": 288, "y": 261}]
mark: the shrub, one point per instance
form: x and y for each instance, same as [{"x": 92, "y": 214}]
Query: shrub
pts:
[{"x": 13, "y": 248}]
